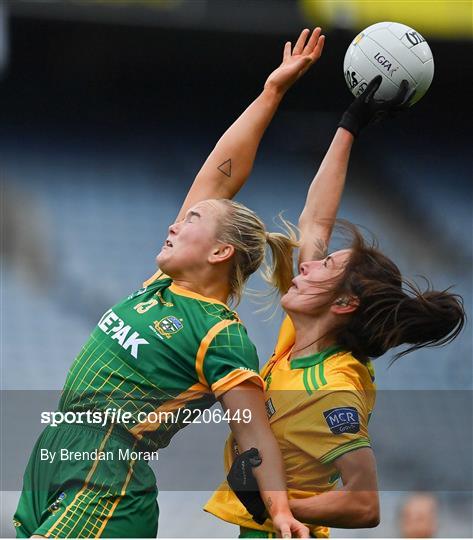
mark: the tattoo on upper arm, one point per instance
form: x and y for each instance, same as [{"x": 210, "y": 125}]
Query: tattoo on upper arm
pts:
[
  {"x": 269, "y": 503},
  {"x": 226, "y": 168}
]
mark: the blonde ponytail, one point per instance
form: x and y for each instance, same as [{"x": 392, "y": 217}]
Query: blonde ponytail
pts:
[
  {"x": 244, "y": 230},
  {"x": 279, "y": 275}
]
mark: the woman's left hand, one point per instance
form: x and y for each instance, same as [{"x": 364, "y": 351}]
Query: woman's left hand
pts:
[
  {"x": 366, "y": 109},
  {"x": 296, "y": 62}
]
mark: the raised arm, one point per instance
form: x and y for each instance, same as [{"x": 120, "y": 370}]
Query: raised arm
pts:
[
  {"x": 325, "y": 192},
  {"x": 323, "y": 198},
  {"x": 230, "y": 162}
]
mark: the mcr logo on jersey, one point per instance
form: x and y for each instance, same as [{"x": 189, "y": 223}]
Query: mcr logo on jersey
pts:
[{"x": 342, "y": 420}]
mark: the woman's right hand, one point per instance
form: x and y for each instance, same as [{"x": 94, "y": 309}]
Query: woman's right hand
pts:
[{"x": 296, "y": 63}]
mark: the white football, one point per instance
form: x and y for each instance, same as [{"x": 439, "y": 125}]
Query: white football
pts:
[{"x": 394, "y": 51}]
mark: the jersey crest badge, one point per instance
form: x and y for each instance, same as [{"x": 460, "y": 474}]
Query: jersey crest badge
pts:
[
  {"x": 342, "y": 420},
  {"x": 168, "y": 326}
]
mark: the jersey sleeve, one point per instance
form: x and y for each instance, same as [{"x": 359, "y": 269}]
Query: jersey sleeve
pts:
[
  {"x": 230, "y": 359},
  {"x": 331, "y": 425}
]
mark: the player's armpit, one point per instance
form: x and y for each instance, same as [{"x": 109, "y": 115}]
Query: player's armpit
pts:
[{"x": 313, "y": 243}]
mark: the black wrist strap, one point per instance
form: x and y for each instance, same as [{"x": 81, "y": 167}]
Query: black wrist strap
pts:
[
  {"x": 350, "y": 123},
  {"x": 242, "y": 481}
]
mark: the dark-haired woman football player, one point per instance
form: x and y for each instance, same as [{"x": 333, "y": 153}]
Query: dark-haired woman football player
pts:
[{"x": 343, "y": 309}]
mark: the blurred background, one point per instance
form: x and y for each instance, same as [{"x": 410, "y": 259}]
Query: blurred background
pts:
[{"x": 108, "y": 109}]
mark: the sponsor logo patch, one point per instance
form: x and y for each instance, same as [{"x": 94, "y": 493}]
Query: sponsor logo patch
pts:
[
  {"x": 113, "y": 326},
  {"x": 342, "y": 420}
]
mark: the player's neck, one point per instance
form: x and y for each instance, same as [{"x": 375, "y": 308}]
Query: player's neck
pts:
[
  {"x": 214, "y": 290},
  {"x": 312, "y": 335}
]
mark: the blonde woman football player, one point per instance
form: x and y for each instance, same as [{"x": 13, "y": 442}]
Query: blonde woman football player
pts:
[{"x": 172, "y": 346}]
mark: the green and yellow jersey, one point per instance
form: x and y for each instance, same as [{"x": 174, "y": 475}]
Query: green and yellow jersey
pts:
[
  {"x": 160, "y": 352},
  {"x": 161, "y": 349},
  {"x": 318, "y": 407}
]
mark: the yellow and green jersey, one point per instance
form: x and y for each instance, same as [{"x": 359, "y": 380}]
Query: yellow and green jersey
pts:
[
  {"x": 318, "y": 407},
  {"x": 161, "y": 350}
]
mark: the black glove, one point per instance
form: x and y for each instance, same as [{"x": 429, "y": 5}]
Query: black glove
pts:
[
  {"x": 240, "y": 478},
  {"x": 366, "y": 110}
]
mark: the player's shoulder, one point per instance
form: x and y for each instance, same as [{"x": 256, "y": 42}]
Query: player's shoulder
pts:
[
  {"x": 347, "y": 383},
  {"x": 344, "y": 371},
  {"x": 219, "y": 319},
  {"x": 230, "y": 333}
]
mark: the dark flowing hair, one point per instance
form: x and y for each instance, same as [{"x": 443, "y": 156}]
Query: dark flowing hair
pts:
[{"x": 391, "y": 311}]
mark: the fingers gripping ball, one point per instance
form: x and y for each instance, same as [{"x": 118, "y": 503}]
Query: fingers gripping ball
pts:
[
  {"x": 394, "y": 51},
  {"x": 367, "y": 109}
]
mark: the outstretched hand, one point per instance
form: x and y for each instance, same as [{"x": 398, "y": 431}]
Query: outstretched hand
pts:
[
  {"x": 365, "y": 109},
  {"x": 296, "y": 62}
]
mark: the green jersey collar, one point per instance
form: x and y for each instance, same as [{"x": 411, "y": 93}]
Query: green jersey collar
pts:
[{"x": 314, "y": 359}]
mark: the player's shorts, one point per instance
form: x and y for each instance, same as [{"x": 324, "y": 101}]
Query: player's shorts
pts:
[
  {"x": 254, "y": 533},
  {"x": 109, "y": 494}
]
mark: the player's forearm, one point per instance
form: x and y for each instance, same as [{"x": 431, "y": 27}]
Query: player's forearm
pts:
[
  {"x": 343, "y": 508},
  {"x": 257, "y": 433},
  {"x": 270, "y": 475},
  {"x": 239, "y": 144},
  {"x": 326, "y": 189}
]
